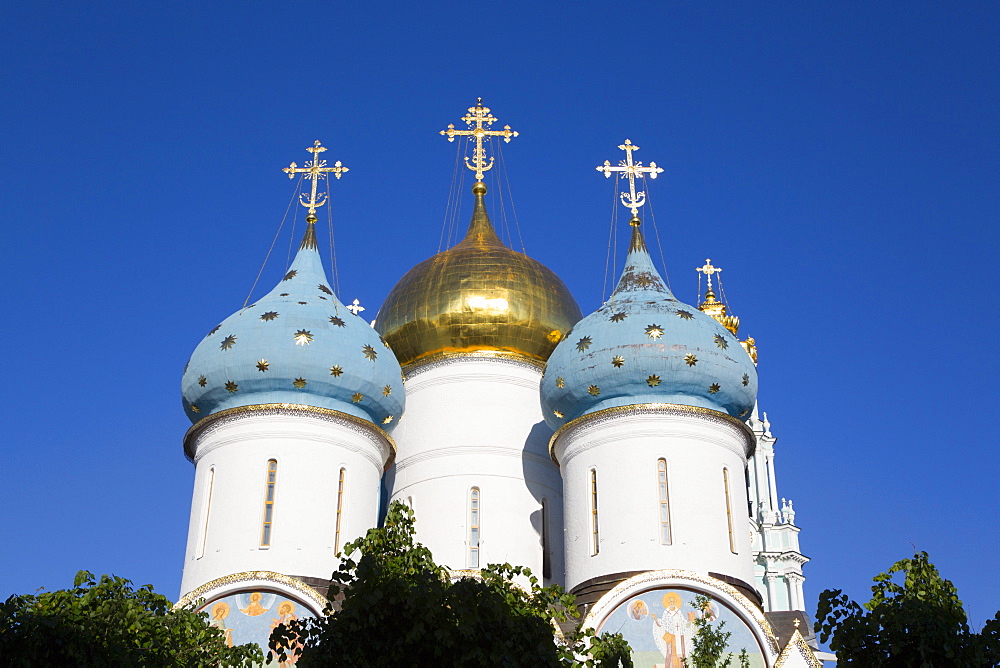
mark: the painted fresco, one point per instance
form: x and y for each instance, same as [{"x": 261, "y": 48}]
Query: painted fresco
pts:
[
  {"x": 659, "y": 624},
  {"x": 250, "y": 616}
]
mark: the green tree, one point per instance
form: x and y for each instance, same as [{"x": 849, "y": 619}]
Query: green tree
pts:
[
  {"x": 710, "y": 644},
  {"x": 400, "y": 608},
  {"x": 108, "y": 623},
  {"x": 914, "y": 618}
]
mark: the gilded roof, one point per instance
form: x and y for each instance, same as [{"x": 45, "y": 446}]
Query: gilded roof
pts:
[{"x": 477, "y": 296}]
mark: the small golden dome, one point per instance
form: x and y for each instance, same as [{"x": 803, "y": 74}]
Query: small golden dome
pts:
[{"x": 478, "y": 296}]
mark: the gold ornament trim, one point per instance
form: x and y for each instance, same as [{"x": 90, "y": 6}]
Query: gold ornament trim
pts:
[
  {"x": 412, "y": 368},
  {"x": 208, "y": 420},
  {"x": 646, "y": 408},
  {"x": 651, "y": 580},
  {"x": 299, "y": 586}
]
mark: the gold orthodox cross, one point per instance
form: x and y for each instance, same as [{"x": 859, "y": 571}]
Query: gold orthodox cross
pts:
[
  {"x": 478, "y": 116},
  {"x": 708, "y": 270},
  {"x": 314, "y": 170},
  {"x": 632, "y": 199}
]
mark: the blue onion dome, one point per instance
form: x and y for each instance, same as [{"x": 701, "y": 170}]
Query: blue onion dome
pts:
[
  {"x": 644, "y": 346},
  {"x": 297, "y": 345}
]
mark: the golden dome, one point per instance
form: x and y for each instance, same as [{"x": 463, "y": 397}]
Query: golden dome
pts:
[{"x": 478, "y": 296}]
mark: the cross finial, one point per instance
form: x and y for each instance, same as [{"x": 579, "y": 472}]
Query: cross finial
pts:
[
  {"x": 708, "y": 270},
  {"x": 355, "y": 307},
  {"x": 479, "y": 120},
  {"x": 314, "y": 170},
  {"x": 631, "y": 170}
]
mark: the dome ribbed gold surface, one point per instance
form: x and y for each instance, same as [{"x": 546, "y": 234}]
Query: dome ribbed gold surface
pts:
[{"x": 477, "y": 296}]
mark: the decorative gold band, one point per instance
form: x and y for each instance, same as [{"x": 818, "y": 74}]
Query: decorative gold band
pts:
[
  {"x": 667, "y": 409},
  {"x": 417, "y": 365},
  {"x": 295, "y": 584},
  {"x": 198, "y": 427}
]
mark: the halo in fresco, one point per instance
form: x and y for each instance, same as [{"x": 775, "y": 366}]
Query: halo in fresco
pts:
[
  {"x": 250, "y": 616},
  {"x": 659, "y": 625}
]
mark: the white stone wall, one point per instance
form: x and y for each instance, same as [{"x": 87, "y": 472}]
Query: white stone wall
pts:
[
  {"x": 224, "y": 536},
  {"x": 623, "y": 448},
  {"x": 476, "y": 422}
]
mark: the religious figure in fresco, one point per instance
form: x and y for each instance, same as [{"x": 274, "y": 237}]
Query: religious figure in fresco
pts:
[
  {"x": 254, "y": 608},
  {"x": 638, "y": 609},
  {"x": 671, "y": 631},
  {"x": 219, "y": 613},
  {"x": 286, "y": 613}
]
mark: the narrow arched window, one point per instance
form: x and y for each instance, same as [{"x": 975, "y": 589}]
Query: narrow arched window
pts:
[
  {"x": 474, "y": 519},
  {"x": 546, "y": 559},
  {"x": 595, "y": 538},
  {"x": 664, "y": 501},
  {"x": 729, "y": 510},
  {"x": 340, "y": 510},
  {"x": 269, "y": 490},
  {"x": 208, "y": 512}
]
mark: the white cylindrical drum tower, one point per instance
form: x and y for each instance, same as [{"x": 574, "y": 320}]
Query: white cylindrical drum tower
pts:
[
  {"x": 280, "y": 488},
  {"x": 474, "y": 466},
  {"x": 654, "y": 486}
]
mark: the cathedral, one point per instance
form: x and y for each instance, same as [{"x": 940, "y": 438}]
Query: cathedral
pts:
[{"x": 619, "y": 453}]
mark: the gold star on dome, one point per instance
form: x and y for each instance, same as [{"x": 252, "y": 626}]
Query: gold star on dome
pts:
[
  {"x": 283, "y": 294},
  {"x": 386, "y": 391},
  {"x": 299, "y": 383},
  {"x": 195, "y": 409},
  {"x": 744, "y": 412},
  {"x": 369, "y": 352},
  {"x": 228, "y": 342},
  {"x": 721, "y": 342},
  {"x": 644, "y": 280},
  {"x": 214, "y": 330},
  {"x": 269, "y": 316},
  {"x": 303, "y": 303},
  {"x": 746, "y": 380},
  {"x": 387, "y": 420},
  {"x": 325, "y": 289},
  {"x": 560, "y": 382},
  {"x": 303, "y": 337},
  {"x": 231, "y": 386},
  {"x": 654, "y": 331},
  {"x": 290, "y": 275},
  {"x": 653, "y": 380},
  {"x": 584, "y": 343},
  {"x": 685, "y": 315},
  {"x": 618, "y": 317},
  {"x": 356, "y": 397},
  {"x": 202, "y": 381},
  {"x": 334, "y": 320},
  {"x": 618, "y": 361},
  {"x": 594, "y": 390},
  {"x": 713, "y": 388},
  {"x": 558, "y": 414},
  {"x": 262, "y": 365},
  {"x": 336, "y": 370},
  {"x": 690, "y": 359}
]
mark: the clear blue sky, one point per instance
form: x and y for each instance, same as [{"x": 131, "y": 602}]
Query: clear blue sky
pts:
[{"x": 839, "y": 160}]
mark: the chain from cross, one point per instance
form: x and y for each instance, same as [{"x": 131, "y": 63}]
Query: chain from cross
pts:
[
  {"x": 478, "y": 116},
  {"x": 708, "y": 270},
  {"x": 630, "y": 170},
  {"x": 355, "y": 308},
  {"x": 315, "y": 170}
]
